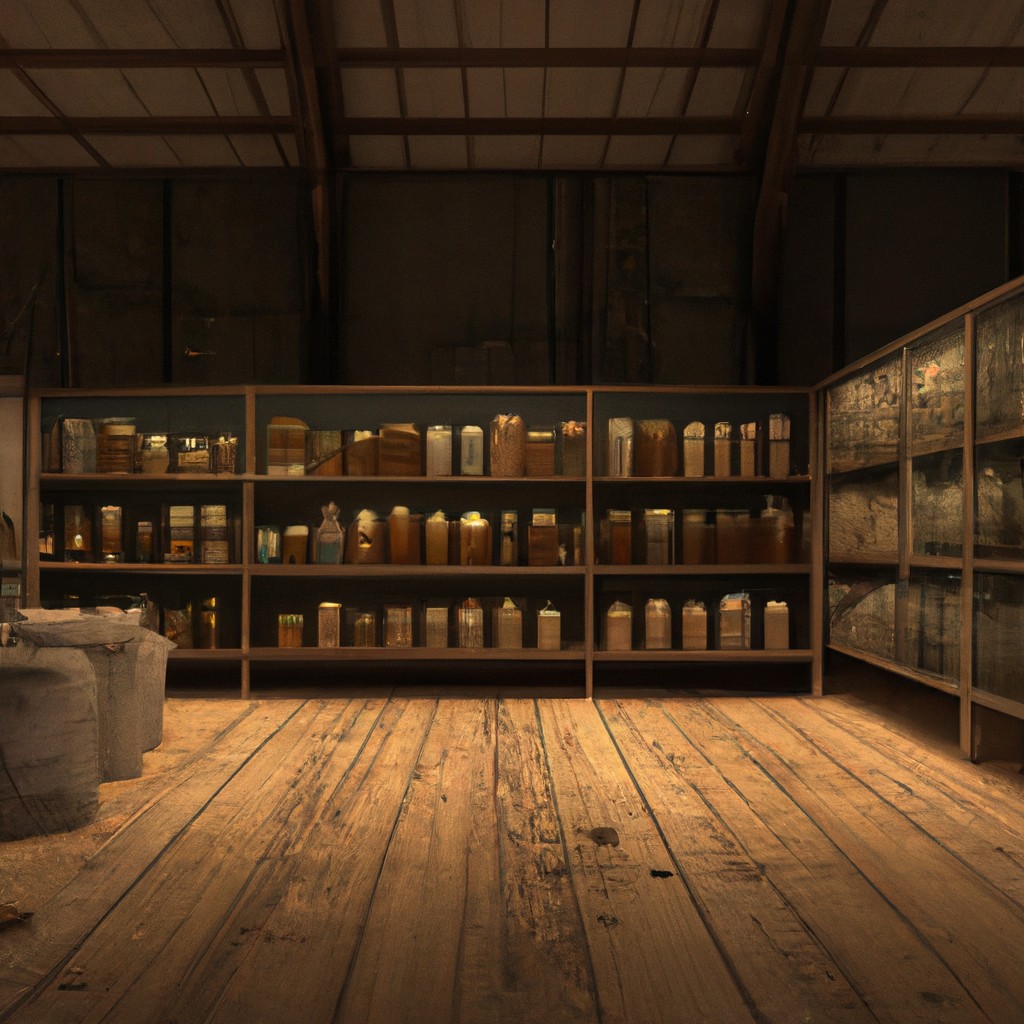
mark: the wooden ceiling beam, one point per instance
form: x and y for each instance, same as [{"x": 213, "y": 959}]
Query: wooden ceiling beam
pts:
[
  {"x": 541, "y": 125},
  {"x": 547, "y": 57},
  {"x": 805, "y": 24},
  {"x": 126, "y": 59},
  {"x": 146, "y": 125}
]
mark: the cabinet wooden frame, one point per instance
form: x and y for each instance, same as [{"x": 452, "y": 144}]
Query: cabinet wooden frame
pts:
[
  {"x": 251, "y": 491},
  {"x": 962, "y": 445}
]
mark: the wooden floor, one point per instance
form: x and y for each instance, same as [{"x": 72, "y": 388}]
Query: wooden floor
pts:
[{"x": 375, "y": 859}]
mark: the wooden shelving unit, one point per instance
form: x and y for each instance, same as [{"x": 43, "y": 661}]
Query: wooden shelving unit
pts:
[
  {"x": 947, "y": 609},
  {"x": 251, "y": 594}
]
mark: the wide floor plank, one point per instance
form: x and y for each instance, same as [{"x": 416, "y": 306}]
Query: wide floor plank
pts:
[{"x": 482, "y": 860}]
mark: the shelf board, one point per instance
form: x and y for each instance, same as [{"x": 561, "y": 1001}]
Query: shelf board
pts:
[
  {"x": 909, "y": 671},
  {"x": 726, "y": 657},
  {"x": 798, "y": 478},
  {"x": 1008, "y": 565},
  {"x": 919, "y": 449},
  {"x": 1007, "y": 705},
  {"x": 936, "y": 562},
  {"x": 80, "y": 481},
  {"x": 874, "y": 561},
  {"x": 291, "y": 480},
  {"x": 421, "y": 654},
  {"x": 995, "y": 436},
  {"x": 772, "y": 569},
  {"x": 190, "y": 568},
  {"x": 405, "y": 571},
  {"x": 202, "y": 654},
  {"x": 861, "y": 467}
]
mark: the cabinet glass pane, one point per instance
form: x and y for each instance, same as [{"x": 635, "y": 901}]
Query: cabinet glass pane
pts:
[
  {"x": 864, "y": 418},
  {"x": 999, "y": 385},
  {"x": 999, "y": 503},
  {"x": 936, "y": 387},
  {"x": 937, "y": 504},
  {"x": 999, "y": 634},
  {"x": 862, "y": 515},
  {"x": 862, "y": 613},
  {"x": 931, "y": 624}
]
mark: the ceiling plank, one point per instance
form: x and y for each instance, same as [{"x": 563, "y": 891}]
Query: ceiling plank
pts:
[
  {"x": 549, "y": 57},
  {"x": 149, "y": 58}
]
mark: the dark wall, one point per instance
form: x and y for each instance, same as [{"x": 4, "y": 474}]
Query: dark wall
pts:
[
  {"x": 107, "y": 281},
  {"x": 444, "y": 279},
  {"x": 871, "y": 257},
  {"x": 467, "y": 278}
]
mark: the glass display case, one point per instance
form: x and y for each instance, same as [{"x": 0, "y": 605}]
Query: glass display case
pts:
[{"x": 925, "y": 526}]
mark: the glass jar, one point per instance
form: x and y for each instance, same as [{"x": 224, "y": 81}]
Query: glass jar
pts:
[
  {"x": 436, "y": 530},
  {"x": 732, "y": 530},
  {"x": 618, "y": 627},
  {"x": 470, "y": 619},
  {"x": 698, "y": 537},
  {"x": 657, "y": 625},
  {"x": 474, "y": 539},
  {"x": 439, "y": 450},
  {"x": 78, "y": 446},
  {"x": 549, "y": 628},
  {"x": 289, "y": 630},
  {"x": 209, "y": 625},
  {"x": 115, "y": 445},
  {"x": 153, "y": 455},
  {"x": 330, "y": 536},
  {"x": 509, "y": 546},
  {"x": 328, "y": 624},
  {"x": 77, "y": 534},
  {"x": 397, "y": 625},
  {"x": 508, "y": 625}
]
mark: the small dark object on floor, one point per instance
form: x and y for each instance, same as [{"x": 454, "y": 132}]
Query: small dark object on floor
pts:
[
  {"x": 655, "y": 873},
  {"x": 605, "y": 836},
  {"x": 9, "y": 914}
]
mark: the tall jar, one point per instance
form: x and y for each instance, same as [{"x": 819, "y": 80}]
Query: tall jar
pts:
[
  {"x": 436, "y": 531},
  {"x": 474, "y": 539},
  {"x": 732, "y": 530},
  {"x": 470, "y": 619},
  {"x": 77, "y": 534},
  {"x": 618, "y": 627},
  {"x": 78, "y": 446},
  {"x": 657, "y": 625}
]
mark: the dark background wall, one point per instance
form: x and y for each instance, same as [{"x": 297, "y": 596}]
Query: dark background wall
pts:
[{"x": 496, "y": 278}]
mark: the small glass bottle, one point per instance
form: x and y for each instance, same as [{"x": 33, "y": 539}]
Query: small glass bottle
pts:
[
  {"x": 77, "y": 534},
  {"x": 289, "y": 630},
  {"x": 330, "y": 537},
  {"x": 365, "y": 633},
  {"x": 439, "y": 450},
  {"x": 144, "y": 541},
  {"x": 471, "y": 443},
  {"x": 111, "y": 543},
  {"x": 509, "y": 538},
  {"x": 209, "y": 625},
  {"x": 734, "y": 622}
]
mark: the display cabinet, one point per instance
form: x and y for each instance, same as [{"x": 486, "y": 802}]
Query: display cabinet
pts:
[
  {"x": 445, "y": 533},
  {"x": 921, "y": 465}
]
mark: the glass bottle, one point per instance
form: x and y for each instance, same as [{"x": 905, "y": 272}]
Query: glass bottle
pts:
[
  {"x": 330, "y": 536},
  {"x": 209, "y": 625},
  {"x": 734, "y": 622},
  {"x": 471, "y": 623},
  {"x": 436, "y": 529},
  {"x": 77, "y": 534},
  {"x": 328, "y": 624},
  {"x": 509, "y": 548},
  {"x": 471, "y": 443},
  {"x": 439, "y": 450},
  {"x": 695, "y": 626},
  {"x": 474, "y": 539}
]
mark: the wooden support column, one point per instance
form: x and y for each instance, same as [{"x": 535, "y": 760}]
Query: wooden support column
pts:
[{"x": 806, "y": 22}]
